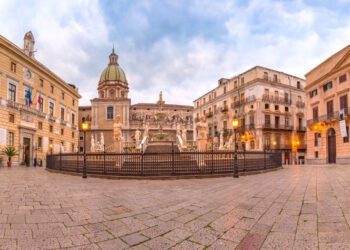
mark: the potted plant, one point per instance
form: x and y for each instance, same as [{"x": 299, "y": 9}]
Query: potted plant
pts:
[{"x": 9, "y": 152}]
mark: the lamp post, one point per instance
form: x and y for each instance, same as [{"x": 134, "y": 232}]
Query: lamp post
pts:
[
  {"x": 85, "y": 127},
  {"x": 235, "y": 163}
]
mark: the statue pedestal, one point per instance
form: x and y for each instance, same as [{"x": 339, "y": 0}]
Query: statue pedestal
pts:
[
  {"x": 202, "y": 147},
  {"x": 118, "y": 150}
]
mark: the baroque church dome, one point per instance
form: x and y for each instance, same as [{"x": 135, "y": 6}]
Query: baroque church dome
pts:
[{"x": 113, "y": 72}]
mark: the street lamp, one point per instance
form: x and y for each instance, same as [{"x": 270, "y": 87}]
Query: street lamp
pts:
[
  {"x": 235, "y": 163},
  {"x": 85, "y": 127},
  {"x": 51, "y": 148}
]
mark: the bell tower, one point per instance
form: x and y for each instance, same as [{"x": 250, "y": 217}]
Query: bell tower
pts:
[{"x": 28, "y": 44}]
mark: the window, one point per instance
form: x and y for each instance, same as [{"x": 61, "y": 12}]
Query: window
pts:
[
  {"x": 242, "y": 80},
  {"x": 266, "y": 92},
  {"x": 267, "y": 120},
  {"x": 330, "y": 111},
  {"x": 316, "y": 154},
  {"x": 342, "y": 78},
  {"x": 73, "y": 134},
  {"x": 62, "y": 131},
  {"x": 346, "y": 139},
  {"x": 225, "y": 90},
  {"x": 62, "y": 95},
  {"x": 12, "y": 92},
  {"x": 13, "y": 67},
  {"x": 327, "y": 86},
  {"x": 62, "y": 113},
  {"x": 267, "y": 141},
  {"x": 286, "y": 109},
  {"x": 110, "y": 113},
  {"x": 315, "y": 113},
  {"x": 40, "y": 125},
  {"x": 40, "y": 142},
  {"x": 298, "y": 85},
  {"x": 266, "y": 75},
  {"x": 73, "y": 147},
  {"x": 81, "y": 149},
  {"x": 287, "y": 122},
  {"x": 12, "y": 118},
  {"x": 317, "y": 139},
  {"x": 41, "y": 83},
  {"x": 343, "y": 101},
  {"x": 73, "y": 119},
  {"x": 251, "y": 120},
  {"x": 81, "y": 137},
  {"x": 224, "y": 125},
  {"x": 73, "y": 102},
  {"x": 275, "y": 78},
  {"x": 197, "y": 104},
  {"x": 277, "y": 107},
  {"x": 51, "y": 128},
  {"x": 267, "y": 106},
  {"x": 252, "y": 144},
  {"x": 313, "y": 93},
  {"x": 51, "y": 108},
  {"x": 11, "y": 139},
  {"x": 52, "y": 88},
  {"x": 235, "y": 84}
]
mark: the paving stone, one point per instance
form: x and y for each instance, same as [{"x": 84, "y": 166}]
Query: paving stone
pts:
[
  {"x": 159, "y": 243},
  {"x": 178, "y": 235},
  {"x": 112, "y": 244},
  {"x": 134, "y": 239},
  {"x": 205, "y": 236}
]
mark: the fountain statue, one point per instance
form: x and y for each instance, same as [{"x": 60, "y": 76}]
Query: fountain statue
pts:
[
  {"x": 117, "y": 134},
  {"x": 201, "y": 127},
  {"x": 184, "y": 137},
  {"x": 137, "y": 138},
  {"x": 221, "y": 146}
]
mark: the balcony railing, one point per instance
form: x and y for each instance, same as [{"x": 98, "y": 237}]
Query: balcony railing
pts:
[
  {"x": 244, "y": 101},
  {"x": 52, "y": 118},
  {"x": 224, "y": 109},
  {"x": 63, "y": 123},
  {"x": 301, "y": 128},
  {"x": 324, "y": 118},
  {"x": 277, "y": 126},
  {"x": 300, "y": 104},
  {"x": 209, "y": 114},
  {"x": 276, "y": 99}
]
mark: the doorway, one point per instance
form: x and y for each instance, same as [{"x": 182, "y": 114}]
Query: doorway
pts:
[
  {"x": 331, "y": 145},
  {"x": 26, "y": 151}
]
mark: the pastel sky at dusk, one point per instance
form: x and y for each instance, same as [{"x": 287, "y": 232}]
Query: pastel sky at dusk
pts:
[{"x": 180, "y": 47}]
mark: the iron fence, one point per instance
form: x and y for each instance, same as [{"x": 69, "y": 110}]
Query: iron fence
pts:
[{"x": 165, "y": 163}]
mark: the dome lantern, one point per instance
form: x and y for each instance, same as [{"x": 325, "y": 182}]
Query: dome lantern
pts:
[{"x": 113, "y": 58}]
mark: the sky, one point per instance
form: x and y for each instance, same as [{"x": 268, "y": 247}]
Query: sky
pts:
[{"x": 180, "y": 47}]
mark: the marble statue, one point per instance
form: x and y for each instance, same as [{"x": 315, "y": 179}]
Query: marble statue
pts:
[
  {"x": 201, "y": 127},
  {"x": 92, "y": 147},
  {"x": 117, "y": 134},
  {"x": 137, "y": 137},
  {"x": 221, "y": 146}
]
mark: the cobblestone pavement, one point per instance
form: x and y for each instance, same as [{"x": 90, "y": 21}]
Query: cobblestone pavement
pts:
[{"x": 305, "y": 207}]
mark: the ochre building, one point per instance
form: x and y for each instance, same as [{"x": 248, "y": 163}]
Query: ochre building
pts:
[
  {"x": 327, "y": 87},
  {"x": 159, "y": 120},
  {"x": 270, "y": 107},
  {"x": 38, "y": 110}
]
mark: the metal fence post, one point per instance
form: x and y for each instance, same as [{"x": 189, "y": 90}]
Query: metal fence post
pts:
[
  {"x": 264, "y": 158},
  {"x": 60, "y": 160},
  {"x": 172, "y": 157},
  {"x": 78, "y": 161},
  {"x": 104, "y": 159},
  {"x": 212, "y": 158},
  {"x": 142, "y": 160},
  {"x": 244, "y": 153}
]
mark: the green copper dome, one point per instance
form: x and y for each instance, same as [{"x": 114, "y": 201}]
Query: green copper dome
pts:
[{"x": 113, "y": 72}]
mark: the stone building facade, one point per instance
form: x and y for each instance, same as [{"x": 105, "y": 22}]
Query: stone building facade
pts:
[
  {"x": 37, "y": 107},
  {"x": 327, "y": 87},
  {"x": 161, "y": 120},
  {"x": 270, "y": 107}
]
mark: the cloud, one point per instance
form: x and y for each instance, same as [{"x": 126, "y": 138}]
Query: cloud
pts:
[{"x": 179, "y": 47}]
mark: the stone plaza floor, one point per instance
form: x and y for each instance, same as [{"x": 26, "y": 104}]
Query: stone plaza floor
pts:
[{"x": 297, "y": 207}]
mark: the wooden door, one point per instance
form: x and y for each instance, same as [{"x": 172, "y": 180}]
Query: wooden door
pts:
[{"x": 331, "y": 144}]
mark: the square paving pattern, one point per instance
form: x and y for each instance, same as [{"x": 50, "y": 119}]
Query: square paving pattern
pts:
[{"x": 297, "y": 207}]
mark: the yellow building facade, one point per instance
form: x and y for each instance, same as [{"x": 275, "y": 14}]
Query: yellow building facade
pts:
[
  {"x": 38, "y": 110},
  {"x": 328, "y": 87}
]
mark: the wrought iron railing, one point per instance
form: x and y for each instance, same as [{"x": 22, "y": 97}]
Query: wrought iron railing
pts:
[{"x": 165, "y": 163}]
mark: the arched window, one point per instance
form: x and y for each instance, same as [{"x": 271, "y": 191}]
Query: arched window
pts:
[{"x": 110, "y": 113}]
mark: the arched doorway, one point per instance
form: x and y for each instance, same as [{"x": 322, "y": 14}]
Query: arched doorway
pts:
[{"x": 331, "y": 145}]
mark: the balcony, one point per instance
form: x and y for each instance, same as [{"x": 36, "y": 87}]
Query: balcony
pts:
[
  {"x": 41, "y": 114},
  {"x": 300, "y": 104},
  {"x": 52, "y": 118},
  {"x": 324, "y": 118},
  {"x": 63, "y": 123},
  {"x": 224, "y": 109},
  {"x": 301, "y": 128},
  {"x": 276, "y": 99},
  {"x": 74, "y": 127},
  {"x": 209, "y": 114},
  {"x": 277, "y": 126}
]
